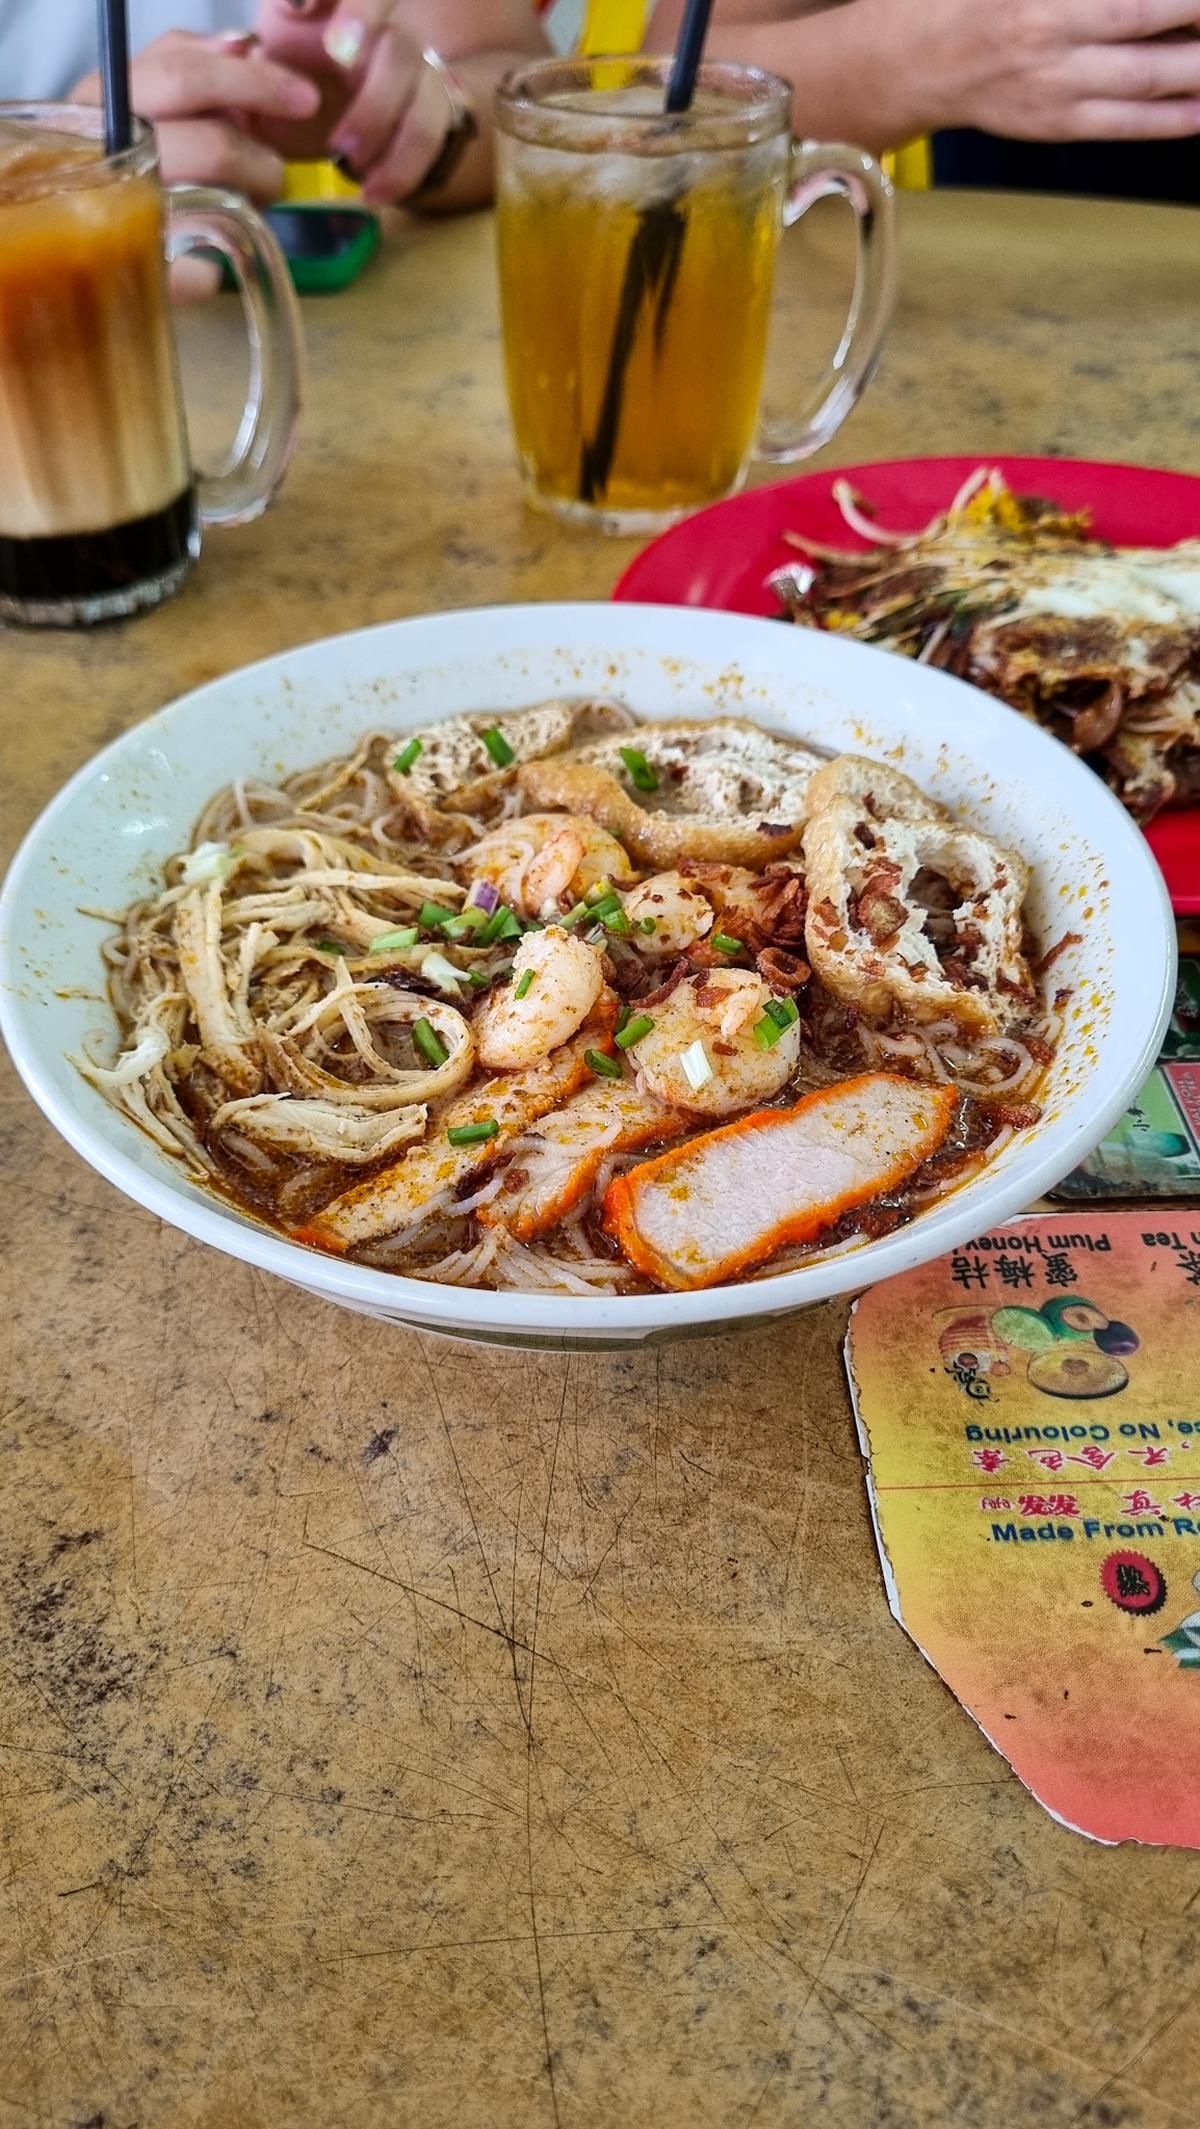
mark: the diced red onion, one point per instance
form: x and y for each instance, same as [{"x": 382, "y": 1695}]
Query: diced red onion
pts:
[{"x": 484, "y": 896}]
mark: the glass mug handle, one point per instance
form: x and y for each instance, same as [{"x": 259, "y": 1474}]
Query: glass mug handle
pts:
[
  {"x": 822, "y": 170},
  {"x": 199, "y": 218}
]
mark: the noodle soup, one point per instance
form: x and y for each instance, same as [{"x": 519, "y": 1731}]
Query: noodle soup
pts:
[{"x": 557, "y": 1001}]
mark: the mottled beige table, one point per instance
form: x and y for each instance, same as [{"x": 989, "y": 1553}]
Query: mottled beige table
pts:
[{"x": 401, "y": 1734}]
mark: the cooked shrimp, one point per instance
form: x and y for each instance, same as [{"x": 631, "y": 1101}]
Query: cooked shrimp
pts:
[
  {"x": 718, "y": 1010},
  {"x": 730, "y": 889},
  {"x": 566, "y": 980},
  {"x": 670, "y": 913},
  {"x": 543, "y": 860}
]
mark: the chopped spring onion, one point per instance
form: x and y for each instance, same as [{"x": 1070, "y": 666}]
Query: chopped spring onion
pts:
[
  {"x": 633, "y": 1031},
  {"x": 695, "y": 1066},
  {"x": 599, "y": 891},
  {"x": 501, "y": 925},
  {"x": 477, "y": 980},
  {"x": 647, "y": 924},
  {"x": 724, "y": 944},
  {"x": 641, "y": 774},
  {"x": 623, "y": 1018},
  {"x": 498, "y": 747},
  {"x": 331, "y": 946},
  {"x": 573, "y": 916},
  {"x": 470, "y": 919},
  {"x": 473, "y": 1134},
  {"x": 778, "y": 1015},
  {"x": 436, "y": 969},
  {"x": 427, "y": 1040},
  {"x": 406, "y": 757},
  {"x": 608, "y": 908},
  {"x": 397, "y": 939},
  {"x": 431, "y": 914},
  {"x": 594, "y": 936},
  {"x": 484, "y": 896},
  {"x": 604, "y": 1067},
  {"x": 524, "y": 984}
]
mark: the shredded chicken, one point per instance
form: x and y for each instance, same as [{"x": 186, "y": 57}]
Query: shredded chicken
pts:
[
  {"x": 225, "y": 1029},
  {"x": 325, "y": 1130}
]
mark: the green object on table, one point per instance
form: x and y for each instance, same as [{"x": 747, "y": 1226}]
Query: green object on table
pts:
[{"x": 326, "y": 243}]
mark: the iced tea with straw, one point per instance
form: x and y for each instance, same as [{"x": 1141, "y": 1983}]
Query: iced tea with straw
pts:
[{"x": 624, "y": 230}]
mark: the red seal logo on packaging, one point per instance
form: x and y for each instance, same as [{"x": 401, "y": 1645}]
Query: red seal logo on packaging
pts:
[{"x": 1133, "y": 1583}]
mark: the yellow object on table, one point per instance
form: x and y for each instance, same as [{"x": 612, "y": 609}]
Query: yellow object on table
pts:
[
  {"x": 317, "y": 181},
  {"x": 613, "y": 26},
  {"x": 911, "y": 167}
]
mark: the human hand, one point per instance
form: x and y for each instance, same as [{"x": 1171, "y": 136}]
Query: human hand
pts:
[
  {"x": 385, "y": 113},
  {"x": 208, "y": 99},
  {"x": 1055, "y": 70}
]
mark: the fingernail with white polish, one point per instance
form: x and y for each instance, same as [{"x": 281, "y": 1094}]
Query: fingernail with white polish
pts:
[{"x": 344, "y": 42}]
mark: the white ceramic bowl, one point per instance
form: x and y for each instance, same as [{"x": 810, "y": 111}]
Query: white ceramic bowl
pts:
[{"x": 105, "y": 836}]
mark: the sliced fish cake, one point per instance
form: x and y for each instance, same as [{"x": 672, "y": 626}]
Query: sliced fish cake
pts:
[
  {"x": 401, "y": 1196},
  {"x": 727, "y": 1201},
  {"x": 553, "y": 1173}
]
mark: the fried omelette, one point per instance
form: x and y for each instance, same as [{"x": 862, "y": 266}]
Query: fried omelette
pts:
[{"x": 1099, "y": 644}]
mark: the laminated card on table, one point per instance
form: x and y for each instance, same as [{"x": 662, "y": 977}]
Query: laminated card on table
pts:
[{"x": 1029, "y": 1409}]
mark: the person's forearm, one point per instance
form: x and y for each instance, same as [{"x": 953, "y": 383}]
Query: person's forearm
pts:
[
  {"x": 514, "y": 36},
  {"x": 471, "y": 184},
  {"x": 856, "y": 71}
]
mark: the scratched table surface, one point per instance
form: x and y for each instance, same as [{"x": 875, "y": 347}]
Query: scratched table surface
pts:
[{"x": 401, "y": 1733}]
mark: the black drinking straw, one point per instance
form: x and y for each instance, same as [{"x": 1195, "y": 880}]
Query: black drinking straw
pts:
[
  {"x": 688, "y": 53},
  {"x": 650, "y": 269},
  {"x": 114, "y": 72}
]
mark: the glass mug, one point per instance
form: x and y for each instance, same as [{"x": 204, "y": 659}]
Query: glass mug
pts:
[
  {"x": 100, "y": 510},
  {"x": 637, "y": 258}
]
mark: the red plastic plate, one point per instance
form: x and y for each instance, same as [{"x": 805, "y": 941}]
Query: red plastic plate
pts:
[{"x": 722, "y": 557}]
